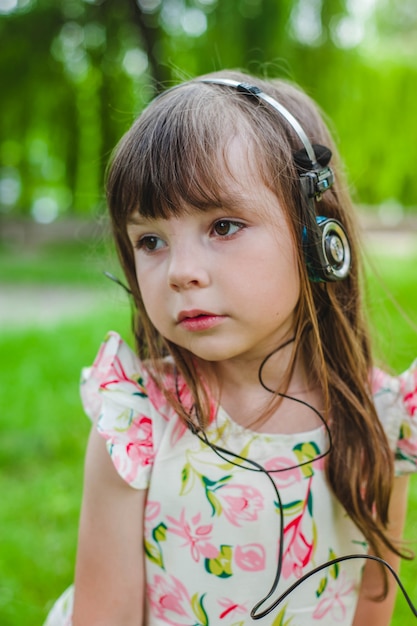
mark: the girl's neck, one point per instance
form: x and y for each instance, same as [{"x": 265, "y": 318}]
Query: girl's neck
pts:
[{"x": 237, "y": 387}]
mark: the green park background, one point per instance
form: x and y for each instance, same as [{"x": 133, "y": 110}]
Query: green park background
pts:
[{"x": 73, "y": 75}]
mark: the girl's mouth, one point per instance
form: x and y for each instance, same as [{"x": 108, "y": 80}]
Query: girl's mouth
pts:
[{"x": 197, "y": 321}]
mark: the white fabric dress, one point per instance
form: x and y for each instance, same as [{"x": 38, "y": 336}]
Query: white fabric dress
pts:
[{"x": 212, "y": 524}]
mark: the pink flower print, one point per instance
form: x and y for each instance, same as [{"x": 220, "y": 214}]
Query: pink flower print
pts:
[
  {"x": 139, "y": 450},
  {"x": 319, "y": 464},
  {"x": 284, "y": 478},
  {"x": 152, "y": 510},
  {"x": 408, "y": 383},
  {"x": 240, "y": 503},
  {"x": 250, "y": 557},
  {"x": 140, "y": 447},
  {"x": 155, "y": 394},
  {"x": 410, "y": 401},
  {"x": 180, "y": 387},
  {"x": 378, "y": 380},
  {"x": 332, "y": 600},
  {"x": 116, "y": 373},
  {"x": 106, "y": 355},
  {"x": 185, "y": 395},
  {"x": 231, "y": 608},
  {"x": 408, "y": 447},
  {"x": 298, "y": 550},
  {"x": 170, "y": 601},
  {"x": 196, "y": 536},
  {"x": 178, "y": 431}
]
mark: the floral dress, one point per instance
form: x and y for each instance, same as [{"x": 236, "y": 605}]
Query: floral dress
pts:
[{"x": 213, "y": 523}]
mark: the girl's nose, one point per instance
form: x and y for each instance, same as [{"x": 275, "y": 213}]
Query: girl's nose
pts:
[{"x": 188, "y": 269}]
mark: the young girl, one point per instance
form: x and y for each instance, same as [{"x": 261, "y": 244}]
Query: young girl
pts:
[{"x": 246, "y": 459}]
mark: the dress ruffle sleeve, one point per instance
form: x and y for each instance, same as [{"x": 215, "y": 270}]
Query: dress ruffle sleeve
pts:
[
  {"x": 396, "y": 404},
  {"x": 114, "y": 396}
]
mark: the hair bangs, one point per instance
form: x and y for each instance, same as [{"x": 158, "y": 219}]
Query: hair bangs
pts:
[{"x": 174, "y": 158}]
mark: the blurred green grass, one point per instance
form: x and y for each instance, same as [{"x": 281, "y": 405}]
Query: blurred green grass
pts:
[
  {"x": 44, "y": 430},
  {"x": 69, "y": 262}
]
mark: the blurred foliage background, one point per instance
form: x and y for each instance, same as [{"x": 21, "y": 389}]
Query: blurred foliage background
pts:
[{"x": 74, "y": 74}]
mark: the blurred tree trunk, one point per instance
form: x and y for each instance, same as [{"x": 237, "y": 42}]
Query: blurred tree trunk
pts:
[
  {"x": 70, "y": 91},
  {"x": 151, "y": 36}
]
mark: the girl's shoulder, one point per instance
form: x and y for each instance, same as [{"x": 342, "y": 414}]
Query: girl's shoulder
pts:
[
  {"x": 126, "y": 406},
  {"x": 118, "y": 370},
  {"x": 395, "y": 400}
]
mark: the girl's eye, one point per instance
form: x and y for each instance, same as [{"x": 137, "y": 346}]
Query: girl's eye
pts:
[
  {"x": 225, "y": 228},
  {"x": 150, "y": 243}
]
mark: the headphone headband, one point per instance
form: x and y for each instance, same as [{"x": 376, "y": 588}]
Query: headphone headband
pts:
[
  {"x": 325, "y": 242},
  {"x": 256, "y": 91}
]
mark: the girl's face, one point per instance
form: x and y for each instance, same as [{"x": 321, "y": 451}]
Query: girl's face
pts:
[{"x": 222, "y": 283}]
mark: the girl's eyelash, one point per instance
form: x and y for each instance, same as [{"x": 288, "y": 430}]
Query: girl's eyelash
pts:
[
  {"x": 227, "y": 224},
  {"x": 148, "y": 243},
  {"x": 223, "y": 228}
]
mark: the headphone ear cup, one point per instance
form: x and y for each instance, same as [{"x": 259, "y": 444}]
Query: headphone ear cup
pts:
[{"x": 327, "y": 251}]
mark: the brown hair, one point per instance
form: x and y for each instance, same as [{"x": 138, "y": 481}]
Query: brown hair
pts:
[{"x": 171, "y": 158}]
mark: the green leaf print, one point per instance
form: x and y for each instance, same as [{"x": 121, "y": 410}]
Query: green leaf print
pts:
[
  {"x": 405, "y": 431},
  {"x": 362, "y": 544},
  {"x": 334, "y": 569},
  {"x": 310, "y": 502},
  {"x": 322, "y": 586},
  {"x": 293, "y": 508},
  {"x": 214, "y": 502},
  {"x": 215, "y": 483},
  {"x": 187, "y": 479},
  {"x": 280, "y": 618},
  {"x": 221, "y": 566},
  {"x": 124, "y": 421},
  {"x": 160, "y": 532},
  {"x": 153, "y": 551},
  {"x": 142, "y": 393},
  {"x": 199, "y": 610},
  {"x": 238, "y": 460},
  {"x": 333, "y": 572},
  {"x": 210, "y": 487},
  {"x": 306, "y": 452}
]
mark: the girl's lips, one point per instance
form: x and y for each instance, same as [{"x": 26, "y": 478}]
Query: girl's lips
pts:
[
  {"x": 193, "y": 313},
  {"x": 199, "y": 320}
]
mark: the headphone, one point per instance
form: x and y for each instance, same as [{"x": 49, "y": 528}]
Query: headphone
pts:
[{"x": 325, "y": 242}]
